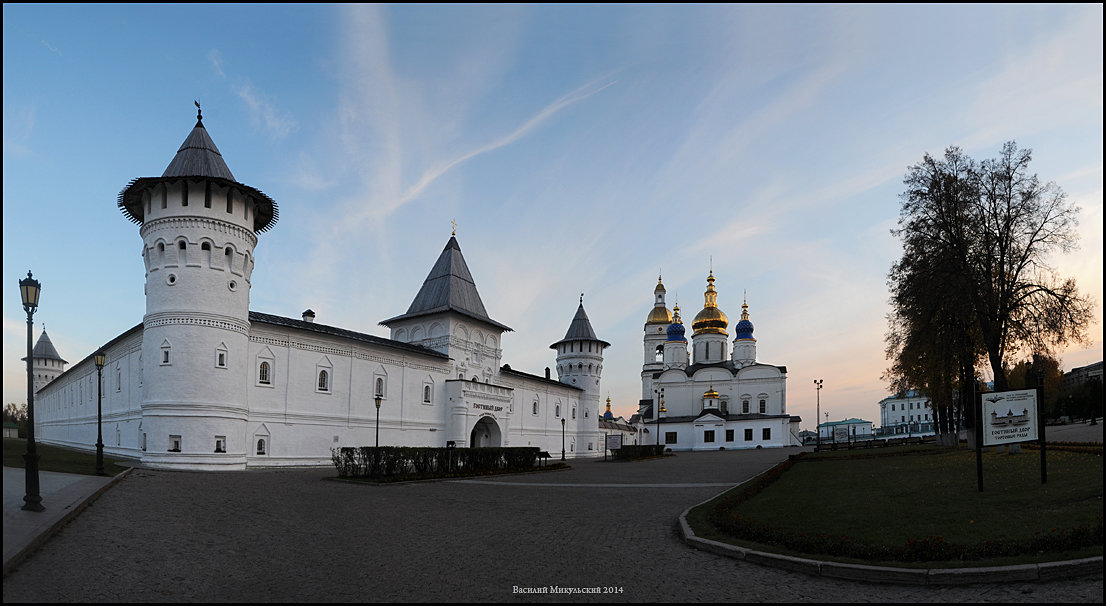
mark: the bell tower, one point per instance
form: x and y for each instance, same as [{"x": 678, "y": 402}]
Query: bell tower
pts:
[
  {"x": 199, "y": 228},
  {"x": 655, "y": 336}
]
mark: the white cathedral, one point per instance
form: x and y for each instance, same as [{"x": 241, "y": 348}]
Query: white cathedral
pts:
[
  {"x": 204, "y": 383},
  {"x": 708, "y": 400}
]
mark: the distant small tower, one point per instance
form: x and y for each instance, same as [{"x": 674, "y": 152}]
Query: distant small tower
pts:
[
  {"x": 711, "y": 400},
  {"x": 658, "y": 320},
  {"x": 46, "y": 364},
  {"x": 675, "y": 347},
  {"x": 580, "y": 364},
  {"x": 744, "y": 345}
]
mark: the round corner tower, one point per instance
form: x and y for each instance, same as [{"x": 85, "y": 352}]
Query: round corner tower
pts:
[
  {"x": 580, "y": 364},
  {"x": 199, "y": 230}
]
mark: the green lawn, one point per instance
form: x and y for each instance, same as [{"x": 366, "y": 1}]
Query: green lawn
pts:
[
  {"x": 53, "y": 458},
  {"x": 924, "y": 492}
]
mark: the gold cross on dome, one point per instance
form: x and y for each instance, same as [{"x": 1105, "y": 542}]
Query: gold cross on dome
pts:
[{"x": 454, "y": 222}]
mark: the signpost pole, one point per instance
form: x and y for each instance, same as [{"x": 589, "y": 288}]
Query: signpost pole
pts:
[
  {"x": 1041, "y": 424},
  {"x": 978, "y": 405}
]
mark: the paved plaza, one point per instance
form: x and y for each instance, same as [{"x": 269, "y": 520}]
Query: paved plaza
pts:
[{"x": 294, "y": 535}]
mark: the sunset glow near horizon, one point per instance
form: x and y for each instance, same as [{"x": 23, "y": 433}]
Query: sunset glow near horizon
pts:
[{"x": 580, "y": 149}]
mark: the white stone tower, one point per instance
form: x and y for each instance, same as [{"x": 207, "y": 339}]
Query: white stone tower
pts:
[
  {"x": 580, "y": 364},
  {"x": 708, "y": 339},
  {"x": 199, "y": 230},
  {"x": 655, "y": 325},
  {"x": 46, "y": 364}
]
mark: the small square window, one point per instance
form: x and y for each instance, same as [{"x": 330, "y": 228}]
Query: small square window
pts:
[
  {"x": 748, "y": 435},
  {"x": 220, "y": 443},
  {"x": 708, "y": 436},
  {"x": 669, "y": 437},
  {"x": 767, "y": 433},
  {"x": 174, "y": 443}
]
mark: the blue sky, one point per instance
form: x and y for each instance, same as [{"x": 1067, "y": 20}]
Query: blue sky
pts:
[{"x": 581, "y": 149}]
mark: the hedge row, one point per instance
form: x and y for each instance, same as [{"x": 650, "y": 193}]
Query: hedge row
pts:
[
  {"x": 638, "y": 451},
  {"x": 399, "y": 461}
]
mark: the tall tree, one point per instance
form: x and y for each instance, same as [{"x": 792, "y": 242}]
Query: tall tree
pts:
[
  {"x": 974, "y": 281},
  {"x": 1025, "y": 374}
]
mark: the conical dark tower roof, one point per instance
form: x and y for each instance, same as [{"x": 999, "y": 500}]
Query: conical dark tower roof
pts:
[
  {"x": 44, "y": 349},
  {"x": 580, "y": 329},
  {"x": 198, "y": 158},
  {"x": 448, "y": 287}
]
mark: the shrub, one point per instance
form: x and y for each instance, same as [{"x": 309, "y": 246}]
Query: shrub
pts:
[{"x": 638, "y": 451}]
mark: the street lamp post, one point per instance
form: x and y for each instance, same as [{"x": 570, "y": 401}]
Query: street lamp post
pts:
[
  {"x": 660, "y": 422},
  {"x": 100, "y": 357},
  {"x": 818, "y": 414},
  {"x": 377, "y": 400},
  {"x": 562, "y": 438},
  {"x": 29, "y": 289}
]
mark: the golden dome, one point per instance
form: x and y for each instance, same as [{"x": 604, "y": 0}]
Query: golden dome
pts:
[
  {"x": 659, "y": 315},
  {"x": 711, "y": 319},
  {"x": 711, "y": 393}
]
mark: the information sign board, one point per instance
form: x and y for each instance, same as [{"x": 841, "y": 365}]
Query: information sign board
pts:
[{"x": 1009, "y": 416}]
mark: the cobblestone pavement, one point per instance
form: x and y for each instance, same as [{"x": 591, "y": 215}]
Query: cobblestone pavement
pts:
[{"x": 292, "y": 536}]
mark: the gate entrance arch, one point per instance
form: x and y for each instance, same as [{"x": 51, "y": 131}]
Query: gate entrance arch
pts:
[{"x": 485, "y": 434}]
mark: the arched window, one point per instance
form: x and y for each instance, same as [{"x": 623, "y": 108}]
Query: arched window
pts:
[
  {"x": 763, "y": 407},
  {"x": 745, "y": 406},
  {"x": 324, "y": 383},
  {"x": 426, "y": 393},
  {"x": 263, "y": 374},
  {"x": 535, "y": 407},
  {"x": 261, "y": 446},
  {"x": 558, "y": 412},
  {"x": 379, "y": 387}
]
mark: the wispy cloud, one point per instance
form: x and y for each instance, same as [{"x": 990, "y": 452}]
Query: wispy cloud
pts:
[
  {"x": 263, "y": 112},
  {"x": 216, "y": 60},
  {"x": 428, "y": 177},
  {"x": 18, "y": 126},
  {"x": 51, "y": 48}
]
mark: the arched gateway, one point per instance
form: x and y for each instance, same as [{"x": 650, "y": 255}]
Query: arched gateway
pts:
[{"x": 486, "y": 434}]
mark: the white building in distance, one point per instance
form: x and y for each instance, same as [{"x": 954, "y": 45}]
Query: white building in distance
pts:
[
  {"x": 204, "y": 383},
  {"x": 906, "y": 413},
  {"x": 712, "y": 399}
]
